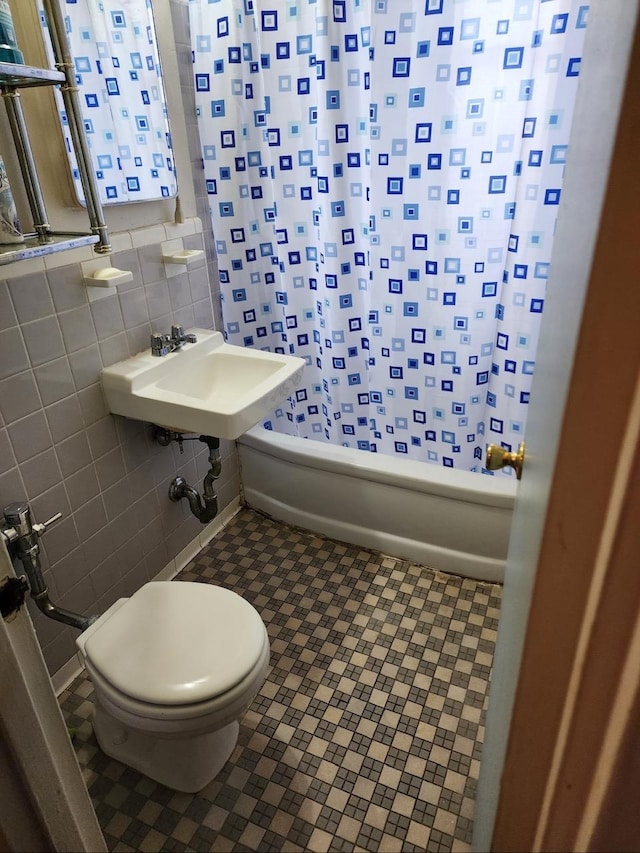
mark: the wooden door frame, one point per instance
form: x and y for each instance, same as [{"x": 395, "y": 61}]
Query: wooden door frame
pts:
[{"x": 45, "y": 801}]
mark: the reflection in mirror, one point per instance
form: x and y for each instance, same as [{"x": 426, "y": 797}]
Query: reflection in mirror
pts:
[{"x": 122, "y": 99}]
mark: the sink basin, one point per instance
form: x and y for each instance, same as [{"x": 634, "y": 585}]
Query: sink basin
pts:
[{"x": 209, "y": 387}]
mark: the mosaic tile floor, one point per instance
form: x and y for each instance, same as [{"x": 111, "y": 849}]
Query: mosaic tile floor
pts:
[{"x": 367, "y": 733}]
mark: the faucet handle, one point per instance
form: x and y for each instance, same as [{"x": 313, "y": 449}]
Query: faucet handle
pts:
[
  {"x": 159, "y": 345},
  {"x": 177, "y": 334}
]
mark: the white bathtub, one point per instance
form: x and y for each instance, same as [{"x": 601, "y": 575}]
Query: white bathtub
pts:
[{"x": 449, "y": 520}]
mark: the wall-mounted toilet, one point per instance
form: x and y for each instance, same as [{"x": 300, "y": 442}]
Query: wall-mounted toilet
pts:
[{"x": 173, "y": 669}]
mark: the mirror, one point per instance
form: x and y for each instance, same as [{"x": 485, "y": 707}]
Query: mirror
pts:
[{"x": 121, "y": 97}]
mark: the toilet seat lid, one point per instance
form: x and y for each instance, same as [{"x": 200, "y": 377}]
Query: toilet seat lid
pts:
[{"x": 176, "y": 643}]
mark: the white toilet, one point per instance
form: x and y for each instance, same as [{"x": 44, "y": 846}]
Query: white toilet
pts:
[{"x": 173, "y": 669}]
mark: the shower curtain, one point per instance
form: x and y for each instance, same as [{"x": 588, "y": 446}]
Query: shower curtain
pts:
[{"x": 384, "y": 178}]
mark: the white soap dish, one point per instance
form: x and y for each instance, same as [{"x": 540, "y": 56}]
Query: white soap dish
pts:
[
  {"x": 108, "y": 277},
  {"x": 186, "y": 257}
]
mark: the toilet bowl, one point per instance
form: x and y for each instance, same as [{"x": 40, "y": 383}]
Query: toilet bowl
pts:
[{"x": 173, "y": 668}]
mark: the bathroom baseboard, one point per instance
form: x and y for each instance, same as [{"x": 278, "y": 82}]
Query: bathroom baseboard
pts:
[
  {"x": 72, "y": 668},
  {"x": 203, "y": 538},
  {"x": 66, "y": 674}
]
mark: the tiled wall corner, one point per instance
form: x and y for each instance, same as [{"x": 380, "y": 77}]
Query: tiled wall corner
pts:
[
  {"x": 182, "y": 35},
  {"x": 61, "y": 449}
]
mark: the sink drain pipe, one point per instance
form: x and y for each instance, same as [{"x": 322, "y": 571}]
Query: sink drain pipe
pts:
[{"x": 205, "y": 507}]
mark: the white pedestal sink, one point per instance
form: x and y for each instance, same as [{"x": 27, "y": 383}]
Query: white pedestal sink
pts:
[{"x": 207, "y": 387}]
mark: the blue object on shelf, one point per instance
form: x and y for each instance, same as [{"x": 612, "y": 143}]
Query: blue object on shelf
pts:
[{"x": 9, "y": 50}]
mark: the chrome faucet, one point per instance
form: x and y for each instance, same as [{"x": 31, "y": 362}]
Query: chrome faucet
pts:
[{"x": 164, "y": 344}]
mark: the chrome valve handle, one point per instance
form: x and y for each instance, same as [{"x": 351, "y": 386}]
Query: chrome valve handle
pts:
[{"x": 41, "y": 528}]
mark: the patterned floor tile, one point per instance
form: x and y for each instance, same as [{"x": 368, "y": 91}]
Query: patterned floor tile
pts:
[{"x": 366, "y": 735}]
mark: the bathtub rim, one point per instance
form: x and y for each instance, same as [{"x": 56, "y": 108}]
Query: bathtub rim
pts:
[{"x": 451, "y": 483}]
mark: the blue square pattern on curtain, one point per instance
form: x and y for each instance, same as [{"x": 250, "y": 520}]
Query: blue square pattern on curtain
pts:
[{"x": 384, "y": 181}]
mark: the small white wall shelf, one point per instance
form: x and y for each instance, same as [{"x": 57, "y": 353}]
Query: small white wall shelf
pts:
[
  {"x": 186, "y": 257},
  {"x": 108, "y": 277}
]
